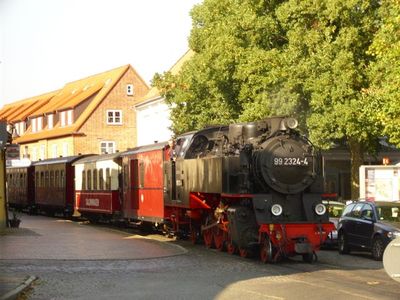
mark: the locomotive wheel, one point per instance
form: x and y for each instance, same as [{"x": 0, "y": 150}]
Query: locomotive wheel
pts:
[
  {"x": 266, "y": 250},
  {"x": 219, "y": 239},
  {"x": 231, "y": 248},
  {"x": 208, "y": 238}
]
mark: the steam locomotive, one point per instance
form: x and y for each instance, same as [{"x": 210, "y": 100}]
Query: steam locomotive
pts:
[{"x": 248, "y": 188}]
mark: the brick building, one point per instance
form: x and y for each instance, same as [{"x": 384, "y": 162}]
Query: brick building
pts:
[{"x": 92, "y": 115}]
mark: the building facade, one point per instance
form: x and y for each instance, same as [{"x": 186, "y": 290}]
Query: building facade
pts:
[
  {"x": 92, "y": 115},
  {"x": 153, "y": 113}
]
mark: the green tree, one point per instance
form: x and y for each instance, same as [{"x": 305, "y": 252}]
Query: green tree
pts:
[
  {"x": 235, "y": 42},
  {"x": 305, "y": 58},
  {"x": 328, "y": 62},
  {"x": 385, "y": 72}
]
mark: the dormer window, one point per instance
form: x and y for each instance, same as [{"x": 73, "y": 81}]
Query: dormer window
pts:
[
  {"x": 66, "y": 117},
  {"x": 20, "y": 127},
  {"x": 50, "y": 121},
  {"x": 37, "y": 124}
]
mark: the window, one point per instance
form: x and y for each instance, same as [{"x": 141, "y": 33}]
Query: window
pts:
[
  {"x": 367, "y": 212},
  {"x": 94, "y": 179},
  {"x": 89, "y": 180},
  {"x": 107, "y": 147},
  {"x": 101, "y": 180},
  {"x": 63, "y": 119},
  {"x": 141, "y": 174},
  {"x": 50, "y": 121},
  {"x": 39, "y": 123},
  {"x": 130, "y": 90},
  {"x": 46, "y": 180},
  {"x": 42, "y": 152},
  {"x": 54, "y": 151},
  {"x": 83, "y": 180},
  {"x": 66, "y": 117},
  {"x": 62, "y": 178},
  {"x": 356, "y": 212},
  {"x": 57, "y": 182},
  {"x": 65, "y": 149},
  {"x": 70, "y": 117},
  {"x": 34, "y": 154},
  {"x": 114, "y": 117},
  {"x": 20, "y": 127},
  {"x": 52, "y": 178},
  {"x": 42, "y": 179},
  {"x": 108, "y": 179},
  {"x": 34, "y": 125}
]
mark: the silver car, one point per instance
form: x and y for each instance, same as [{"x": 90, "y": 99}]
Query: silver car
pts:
[{"x": 335, "y": 209}]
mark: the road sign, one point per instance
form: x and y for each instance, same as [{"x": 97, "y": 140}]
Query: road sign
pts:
[{"x": 12, "y": 151}]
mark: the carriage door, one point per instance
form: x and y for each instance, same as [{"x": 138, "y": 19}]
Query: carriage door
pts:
[
  {"x": 130, "y": 182},
  {"x": 169, "y": 182}
]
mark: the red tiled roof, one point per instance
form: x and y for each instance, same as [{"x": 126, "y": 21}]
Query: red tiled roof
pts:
[{"x": 71, "y": 95}]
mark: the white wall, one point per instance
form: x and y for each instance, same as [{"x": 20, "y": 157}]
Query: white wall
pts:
[{"x": 153, "y": 122}]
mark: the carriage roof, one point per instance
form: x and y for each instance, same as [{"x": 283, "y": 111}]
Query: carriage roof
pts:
[
  {"x": 96, "y": 158},
  {"x": 58, "y": 160}
]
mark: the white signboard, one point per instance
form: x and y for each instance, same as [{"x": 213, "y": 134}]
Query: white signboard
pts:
[{"x": 380, "y": 183}]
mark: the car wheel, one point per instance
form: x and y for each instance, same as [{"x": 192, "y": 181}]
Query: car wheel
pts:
[
  {"x": 343, "y": 243},
  {"x": 377, "y": 248}
]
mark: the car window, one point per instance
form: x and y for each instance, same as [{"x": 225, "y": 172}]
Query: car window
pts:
[
  {"x": 367, "y": 212},
  {"x": 348, "y": 209},
  {"x": 389, "y": 213},
  {"x": 356, "y": 212}
]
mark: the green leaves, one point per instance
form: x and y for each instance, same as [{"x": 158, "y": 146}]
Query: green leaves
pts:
[{"x": 334, "y": 64}]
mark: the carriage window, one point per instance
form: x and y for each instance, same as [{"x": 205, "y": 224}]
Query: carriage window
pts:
[
  {"x": 125, "y": 176},
  {"x": 52, "y": 178},
  {"x": 101, "y": 180},
  {"x": 141, "y": 174},
  {"x": 56, "y": 180},
  {"x": 62, "y": 179},
  {"x": 94, "y": 179},
  {"x": 21, "y": 179},
  {"x": 83, "y": 180},
  {"x": 42, "y": 179},
  {"x": 47, "y": 178},
  {"x": 89, "y": 179},
  {"x": 37, "y": 179},
  {"x": 108, "y": 179}
]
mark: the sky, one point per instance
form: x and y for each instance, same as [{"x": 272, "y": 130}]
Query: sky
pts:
[{"x": 45, "y": 44}]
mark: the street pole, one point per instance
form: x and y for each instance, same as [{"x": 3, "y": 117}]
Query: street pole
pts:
[{"x": 3, "y": 207}]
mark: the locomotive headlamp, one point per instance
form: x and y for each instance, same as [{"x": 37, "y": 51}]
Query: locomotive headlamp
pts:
[
  {"x": 276, "y": 210},
  {"x": 291, "y": 123},
  {"x": 320, "y": 209}
]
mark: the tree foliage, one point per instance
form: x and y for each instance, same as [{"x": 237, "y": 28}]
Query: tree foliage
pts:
[
  {"x": 330, "y": 63},
  {"x": 384, "y": 72}
]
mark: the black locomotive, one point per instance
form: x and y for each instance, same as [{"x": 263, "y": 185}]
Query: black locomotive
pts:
[{"x": 251, "y": 186}]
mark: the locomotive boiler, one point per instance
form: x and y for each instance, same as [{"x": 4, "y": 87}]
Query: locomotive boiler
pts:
[{"x": 248, "y": 187}]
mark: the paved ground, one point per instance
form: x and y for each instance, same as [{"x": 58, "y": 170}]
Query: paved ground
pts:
[
  {"x": 51, "y": 238},
  {"x": 196, "y": 273},
  {"x": 42, "y": 238}
]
